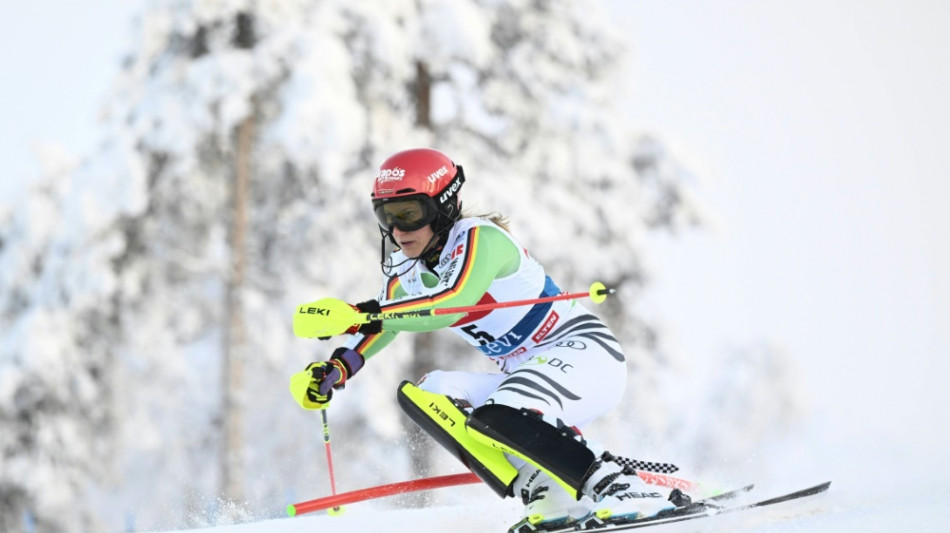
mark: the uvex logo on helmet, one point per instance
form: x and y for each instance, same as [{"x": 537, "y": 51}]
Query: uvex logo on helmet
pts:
[
  {"x": 385, "y": 175},
  {"x": 438, "y": 174},
  {"x": 450, "y": 191}
]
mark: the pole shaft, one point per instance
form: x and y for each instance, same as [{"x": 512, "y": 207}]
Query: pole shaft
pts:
[
  {"x": 326, "y": 444},
  {"x": 381, "y": 491},
  {"x": 473, "y": 308}
]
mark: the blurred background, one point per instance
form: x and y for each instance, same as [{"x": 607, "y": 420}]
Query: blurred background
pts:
[{"x": 763, "y": 182}]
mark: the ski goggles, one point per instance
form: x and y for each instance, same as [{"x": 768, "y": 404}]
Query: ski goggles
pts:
[{"x": 407, "y": 213}]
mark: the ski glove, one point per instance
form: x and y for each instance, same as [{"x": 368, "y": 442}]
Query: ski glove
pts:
[
  {"x": 313, "y": 387},
  {"x": 329, "y": 316}
]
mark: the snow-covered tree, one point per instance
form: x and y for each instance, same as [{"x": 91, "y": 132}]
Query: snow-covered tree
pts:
[
  {"x": 233, "y": 183},
  {"x": 58, "y": 364}
]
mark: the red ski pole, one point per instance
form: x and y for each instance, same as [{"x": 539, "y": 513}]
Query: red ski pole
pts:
[
  {"x": 326, "y": 443},
  {"x": 391, "y": 489},
  {"x": 329, "y": 316},
  {"x": 597, "y": 293}
]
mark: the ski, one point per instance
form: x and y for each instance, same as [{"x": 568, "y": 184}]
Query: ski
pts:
[
  {"x": 729, "y": 494},
  {"x": 705, "y": 508},
  {"x": 525, "y": 527}
]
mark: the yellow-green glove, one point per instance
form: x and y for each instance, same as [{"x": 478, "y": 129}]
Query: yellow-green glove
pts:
[{"x": 313, "y": 387}]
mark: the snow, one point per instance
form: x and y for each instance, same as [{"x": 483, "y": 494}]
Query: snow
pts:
[{"x": 836, "y": 511}]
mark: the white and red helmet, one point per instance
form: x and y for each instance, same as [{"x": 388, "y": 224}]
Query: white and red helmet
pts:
[{"x": 415, "y": 188}]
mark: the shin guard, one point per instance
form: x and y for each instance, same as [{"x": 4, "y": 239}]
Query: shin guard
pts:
[
  {"x": 557, "y": 450},
  {"x": 443, "y": 419}
]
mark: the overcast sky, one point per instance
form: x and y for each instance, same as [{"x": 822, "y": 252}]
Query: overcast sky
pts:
[
  {"x": 819, "y": 128},
  {"x": 57, "y": 59}
]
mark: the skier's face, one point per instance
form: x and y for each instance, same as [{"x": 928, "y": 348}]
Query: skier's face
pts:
[{"x": 413, "y": 243}]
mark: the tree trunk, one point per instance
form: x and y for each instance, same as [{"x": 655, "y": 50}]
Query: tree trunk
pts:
[
  {"x": 232, "y": 371},
  {"x": 422, "y": 89}
]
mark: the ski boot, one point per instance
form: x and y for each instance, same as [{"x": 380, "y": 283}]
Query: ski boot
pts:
[
  {"x": 547, "y": 505},
  {"x": 621, "y": 496}
]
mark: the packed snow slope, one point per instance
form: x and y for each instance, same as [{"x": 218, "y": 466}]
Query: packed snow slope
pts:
[
  {"x": 832, "y": 512},
  {"x": 869, "y": 509}
]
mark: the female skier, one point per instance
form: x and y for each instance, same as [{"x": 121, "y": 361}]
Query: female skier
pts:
[{"x": 560, "y": 366}]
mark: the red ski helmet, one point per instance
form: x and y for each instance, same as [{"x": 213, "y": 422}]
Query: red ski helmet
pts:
[{"x": 415, "y": 188}]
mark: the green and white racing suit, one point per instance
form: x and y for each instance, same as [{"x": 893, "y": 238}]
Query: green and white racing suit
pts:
[{"x": 556, "y": 358}]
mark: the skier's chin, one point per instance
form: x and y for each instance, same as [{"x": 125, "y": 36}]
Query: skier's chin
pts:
[{"x": 407, "y": 250}]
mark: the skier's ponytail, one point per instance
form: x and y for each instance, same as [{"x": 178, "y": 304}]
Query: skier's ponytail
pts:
[{"x": 495, "y": 217}]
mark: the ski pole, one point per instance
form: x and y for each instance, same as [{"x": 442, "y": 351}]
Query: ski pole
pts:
[
  {"x": 329, "y": 316},
  {"x": 326, "y": 443},
  {"x": 597, "y": 293},
  {"x": 382, "y": 491}
]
